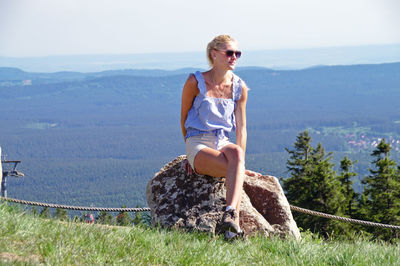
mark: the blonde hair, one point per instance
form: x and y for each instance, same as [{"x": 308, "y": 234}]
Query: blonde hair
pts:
[{"x": 218, "y": 43}]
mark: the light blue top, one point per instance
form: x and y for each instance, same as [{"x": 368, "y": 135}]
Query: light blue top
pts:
[{"x": 212, "y": 115}]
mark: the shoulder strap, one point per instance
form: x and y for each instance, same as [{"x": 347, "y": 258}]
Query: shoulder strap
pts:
[
  {"x": 237, "y": 88},
  {"x": 201, "y": 82}
]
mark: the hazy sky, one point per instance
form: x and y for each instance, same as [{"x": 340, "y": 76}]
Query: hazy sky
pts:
[{"x": 59, "y": 27}]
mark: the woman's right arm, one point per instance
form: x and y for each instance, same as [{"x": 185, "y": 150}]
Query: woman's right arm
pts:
[{"x": 189, "y": 92}]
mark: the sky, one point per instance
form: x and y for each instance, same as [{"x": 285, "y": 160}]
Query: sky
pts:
[{"x": 75, "y": 27}]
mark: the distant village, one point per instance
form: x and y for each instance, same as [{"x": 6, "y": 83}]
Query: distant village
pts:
[
  {"x": 366, "y": 143},
  {"x": 9, "y": 83}
]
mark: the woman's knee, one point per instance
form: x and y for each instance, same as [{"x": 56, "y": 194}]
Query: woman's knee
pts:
[{"x": 234, "y": 153}]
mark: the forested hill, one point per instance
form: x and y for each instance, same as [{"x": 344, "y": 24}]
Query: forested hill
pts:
[
  {"x": 96, "y": 138},
  {"x": 15, "y": 75},
  {"x": 327, "y": 86}
]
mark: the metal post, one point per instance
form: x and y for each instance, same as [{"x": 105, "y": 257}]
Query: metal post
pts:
[
  {"x": 4, "y": 186},
  {"x": 3, "y": 175}
]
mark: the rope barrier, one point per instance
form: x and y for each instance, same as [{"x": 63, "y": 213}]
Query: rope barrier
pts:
[
  {"x": 76, "y": 208},
  {"x": 295, "y": 208},
  {"x": 350, "y": 220}
]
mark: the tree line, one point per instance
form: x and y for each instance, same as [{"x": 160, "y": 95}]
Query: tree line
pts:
[
  {"x": 102, "y": 217},
  {"x": 313, "y": 184}
]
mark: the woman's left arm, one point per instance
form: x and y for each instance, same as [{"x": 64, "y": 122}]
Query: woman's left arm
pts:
[
  {"x": 241, "y": 130},
  {"x": 240, "y": 116}
]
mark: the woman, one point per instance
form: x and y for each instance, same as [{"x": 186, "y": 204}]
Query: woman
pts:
[{"x": 213, "y": 105}]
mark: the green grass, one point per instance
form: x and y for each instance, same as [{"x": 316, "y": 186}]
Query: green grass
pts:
[{"x": 25, "y": 239}]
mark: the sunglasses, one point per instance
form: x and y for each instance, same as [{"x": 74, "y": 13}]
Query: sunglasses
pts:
[{"x": 230, "y": 53}]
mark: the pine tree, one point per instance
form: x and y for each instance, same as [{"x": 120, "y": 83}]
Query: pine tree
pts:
[
  {"x": 382, "y": 190},
  {"x": 345, "y": 178},
  {"x": 313, "y": 184},
  {"x": 138, "y": 220},
  {"x": 123, "y": 218},
  {"x": 105, "y": 218},
  {"x": 45, "y": 213},
  {"x": 142, "y": 218},
  {"x": 34, "y": 211},
  {"x": 61, "y": 214},
  {"x": 299, "y": 165}
]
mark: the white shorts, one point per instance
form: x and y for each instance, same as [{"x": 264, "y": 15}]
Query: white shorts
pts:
[{"x": 197, "y": 143}]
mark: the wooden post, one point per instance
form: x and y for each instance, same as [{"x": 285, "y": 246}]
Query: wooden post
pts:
[{"x": 1, "y": 171}]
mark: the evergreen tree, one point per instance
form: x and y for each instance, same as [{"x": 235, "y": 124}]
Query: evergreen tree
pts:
[
  {"x": 61, "y": 214},
  {"x": 146, "y": 218},
  {"x": 45, "y": 213},
  {"x": 382, "y": 191},
  {"x": 313, "y": 184},
  {"x": 138, "y": 220},
  {"x": 76, "y": 219},
  {"x": 345, "y": 178},
  {"x": 123, "y": 218},
  {"x": 34, "y": 211},
  {"x": 105, "y": 218},
  {"x": 142, "y": 218},
  {"x": 299, "y": 165}
]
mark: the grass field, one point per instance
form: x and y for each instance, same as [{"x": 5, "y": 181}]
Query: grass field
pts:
[{"x": 25, "y": 239}]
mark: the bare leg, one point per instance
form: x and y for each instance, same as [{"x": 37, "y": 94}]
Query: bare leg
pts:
[
  {"x": 228, "y": 162},
  {"x": 239, "y": 201}
]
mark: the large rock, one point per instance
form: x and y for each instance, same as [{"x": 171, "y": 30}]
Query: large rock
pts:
[
  {"x": 267, "y": 197},
  {"x": 197, "y": 202}
]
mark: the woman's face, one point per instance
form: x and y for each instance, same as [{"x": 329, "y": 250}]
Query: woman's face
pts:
[{"x": 222, "y": 60}]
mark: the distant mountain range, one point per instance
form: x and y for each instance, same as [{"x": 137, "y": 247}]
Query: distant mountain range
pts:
[
  {"x": 15, "y": 74},
  {"x": 353, "y": 88},
  {"x": 276, "y": 59}
]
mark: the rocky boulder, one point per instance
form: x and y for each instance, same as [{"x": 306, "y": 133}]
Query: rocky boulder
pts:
[{"x": 197, "y": 202}]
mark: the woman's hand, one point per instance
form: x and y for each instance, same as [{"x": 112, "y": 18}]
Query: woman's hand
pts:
[{"x": 252, "y": 173}]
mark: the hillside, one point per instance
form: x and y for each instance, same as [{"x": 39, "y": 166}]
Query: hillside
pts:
[
  {"x": 97, "y": 138},
  {"x": 275, "y": 58},
  {"x": 26, "y": 239}
]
